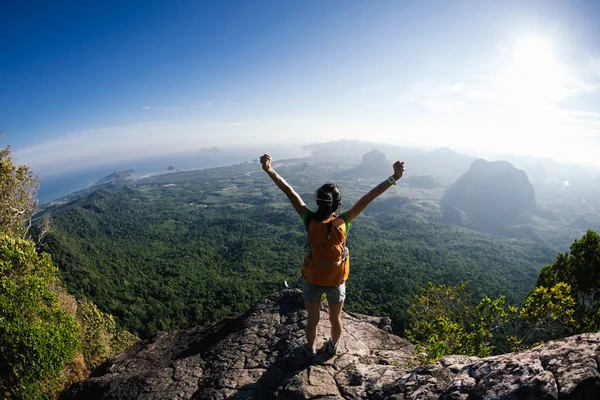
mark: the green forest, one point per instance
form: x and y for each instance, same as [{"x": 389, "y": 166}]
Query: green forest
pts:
[
  {"x": 88, "y": 275},
  {"x": 189, "y": 248},
  {"x": 48, "y": 339}
]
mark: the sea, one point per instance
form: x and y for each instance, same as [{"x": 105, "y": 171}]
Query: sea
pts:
[{"x": 53, "y": 187}]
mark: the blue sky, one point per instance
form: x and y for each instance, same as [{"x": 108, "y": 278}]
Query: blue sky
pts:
[{"x": 90, "y": 83}]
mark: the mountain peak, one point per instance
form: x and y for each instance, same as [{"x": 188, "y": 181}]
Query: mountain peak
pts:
[
  {"x": 117, "y": 177},
  {"x": 257, "y": 355},
  {"x": 493, "y": 195}
]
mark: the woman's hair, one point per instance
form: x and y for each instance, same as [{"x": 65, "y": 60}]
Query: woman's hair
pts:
[{"x": 329, "y": 200}]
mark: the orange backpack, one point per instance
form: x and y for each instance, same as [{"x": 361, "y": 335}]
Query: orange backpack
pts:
[{"x": 327, "y": 261}]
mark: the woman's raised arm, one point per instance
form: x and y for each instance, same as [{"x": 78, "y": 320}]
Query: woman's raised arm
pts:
[
  {"x": 364, "y": 201},
  {"x": 294, "y": 198}
]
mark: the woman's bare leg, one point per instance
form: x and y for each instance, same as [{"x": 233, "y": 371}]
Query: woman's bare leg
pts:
[
  {"x": 314, "y": 311},
  {"x": 335, "y": 318}
]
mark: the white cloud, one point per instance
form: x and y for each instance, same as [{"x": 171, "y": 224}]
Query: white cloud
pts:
[
  {"x": 121, "y": 144},
  {"x": 526, "y": 73},
  {"x": 145, "y": 107},
  {"x": 98, "y": 147},
  {"x": 525, "y": 100},
  {"x": 564, "y": 135}
]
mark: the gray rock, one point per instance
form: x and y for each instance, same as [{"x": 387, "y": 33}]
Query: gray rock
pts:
[{"x": 257, "y": 356}]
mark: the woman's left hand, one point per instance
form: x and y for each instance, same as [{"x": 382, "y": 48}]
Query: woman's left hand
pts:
[
  {"x": 265, "y": 160},
  {"x": 398, "y": 169}
]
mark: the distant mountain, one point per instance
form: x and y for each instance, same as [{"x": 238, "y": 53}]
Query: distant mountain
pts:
[
  {"x": 544, "y": 170},
  {"x": 374, "y": 165},
  {"x": 454, "y": 216},
  {"x": 348, "y": 147},
  {"x": 443, "y": 164},
  {"x": 537, "y": 169},
  {"x": 447, "y": 160},
  {"x": 175, "y": 250},
  {"x": 493, "y": 195},
  {"x": 354, "y": 150},
  {"x": 421, "y": 181},
  {"x": 113, "y": 181},
  {"x": 117, "y": 177},
  {"x": 445, "y": 155}
]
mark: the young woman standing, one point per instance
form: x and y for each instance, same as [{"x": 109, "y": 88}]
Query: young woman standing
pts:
[{"x": 327, "y": 260}]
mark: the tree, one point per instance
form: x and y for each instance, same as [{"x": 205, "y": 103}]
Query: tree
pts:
[
  {"x": 37, "y": 336},
  {"x": 100, "y": 339},
  {"x": 18, "y": 189},
  {"x": 547, "y": 313},
  {"x": 41, "y": 325},
  {"x": 571, "y": 283},
  {"x": 444, "y": 320},
  {"x": 566, "y": 301}
]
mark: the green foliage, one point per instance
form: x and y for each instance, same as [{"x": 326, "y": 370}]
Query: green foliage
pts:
[
  {"x": 565, "y": 301},
  {"x": 445, "y": 320},
  {"x": 548, "y": 312},
  {"x": 18, "y": 187},
  {"x": 568, "y": 290},
  {"x": 36, "y": 335},
  {"x": 38, "y": 332},
  {"x": 187, "y": 249},
  {"x": 98, "y": 334}
]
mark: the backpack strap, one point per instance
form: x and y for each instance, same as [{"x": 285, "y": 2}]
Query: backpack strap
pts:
[{"x": 309, "y": 216}]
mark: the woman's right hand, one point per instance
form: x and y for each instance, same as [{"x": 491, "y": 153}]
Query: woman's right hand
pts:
[
  {"x": 265, "y": 160},
  {"x": 398, "y": 169}
]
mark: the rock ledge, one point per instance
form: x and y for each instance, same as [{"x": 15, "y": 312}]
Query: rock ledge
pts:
[{"x": 257, "y": 356}]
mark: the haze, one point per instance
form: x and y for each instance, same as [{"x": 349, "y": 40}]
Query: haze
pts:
[{"x": 91, "y": 84}]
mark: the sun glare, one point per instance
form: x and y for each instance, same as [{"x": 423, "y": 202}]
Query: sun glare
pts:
[{"x": 533, "y": 75}]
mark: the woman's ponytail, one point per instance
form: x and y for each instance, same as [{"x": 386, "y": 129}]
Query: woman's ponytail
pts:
[{"x": 329, "y": 200}]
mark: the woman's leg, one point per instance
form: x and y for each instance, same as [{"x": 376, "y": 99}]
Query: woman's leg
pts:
[
  {"x": 335, "y": 299},
  {"x": 314, "y": 311},
  {"x": 335, "y": 318}
]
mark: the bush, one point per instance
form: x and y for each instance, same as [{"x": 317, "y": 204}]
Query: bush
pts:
[
  {"x": 18, "y": 187},
  {"x": 100, "y": 339},
  {"x": 444, "y": 320},
  {"x": 567, "y": 293},
  {"x": 37, "y": 336}
]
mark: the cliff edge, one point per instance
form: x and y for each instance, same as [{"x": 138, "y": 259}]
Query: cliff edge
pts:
[{"x": 257, "y": 356}]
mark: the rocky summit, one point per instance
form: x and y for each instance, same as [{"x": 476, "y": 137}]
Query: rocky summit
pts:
[{"x": 257, "y": 356}]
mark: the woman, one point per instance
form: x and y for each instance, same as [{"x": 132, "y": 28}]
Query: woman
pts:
[{"x": 326, "y": 263}]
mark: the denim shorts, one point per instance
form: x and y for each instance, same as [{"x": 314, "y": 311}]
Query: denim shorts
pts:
[{"x": 312, "y": 293}]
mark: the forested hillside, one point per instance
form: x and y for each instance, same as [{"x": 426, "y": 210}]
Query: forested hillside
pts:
[
  {"x": 188, "y": 248},
  {"x": 48, "y": 339}
]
